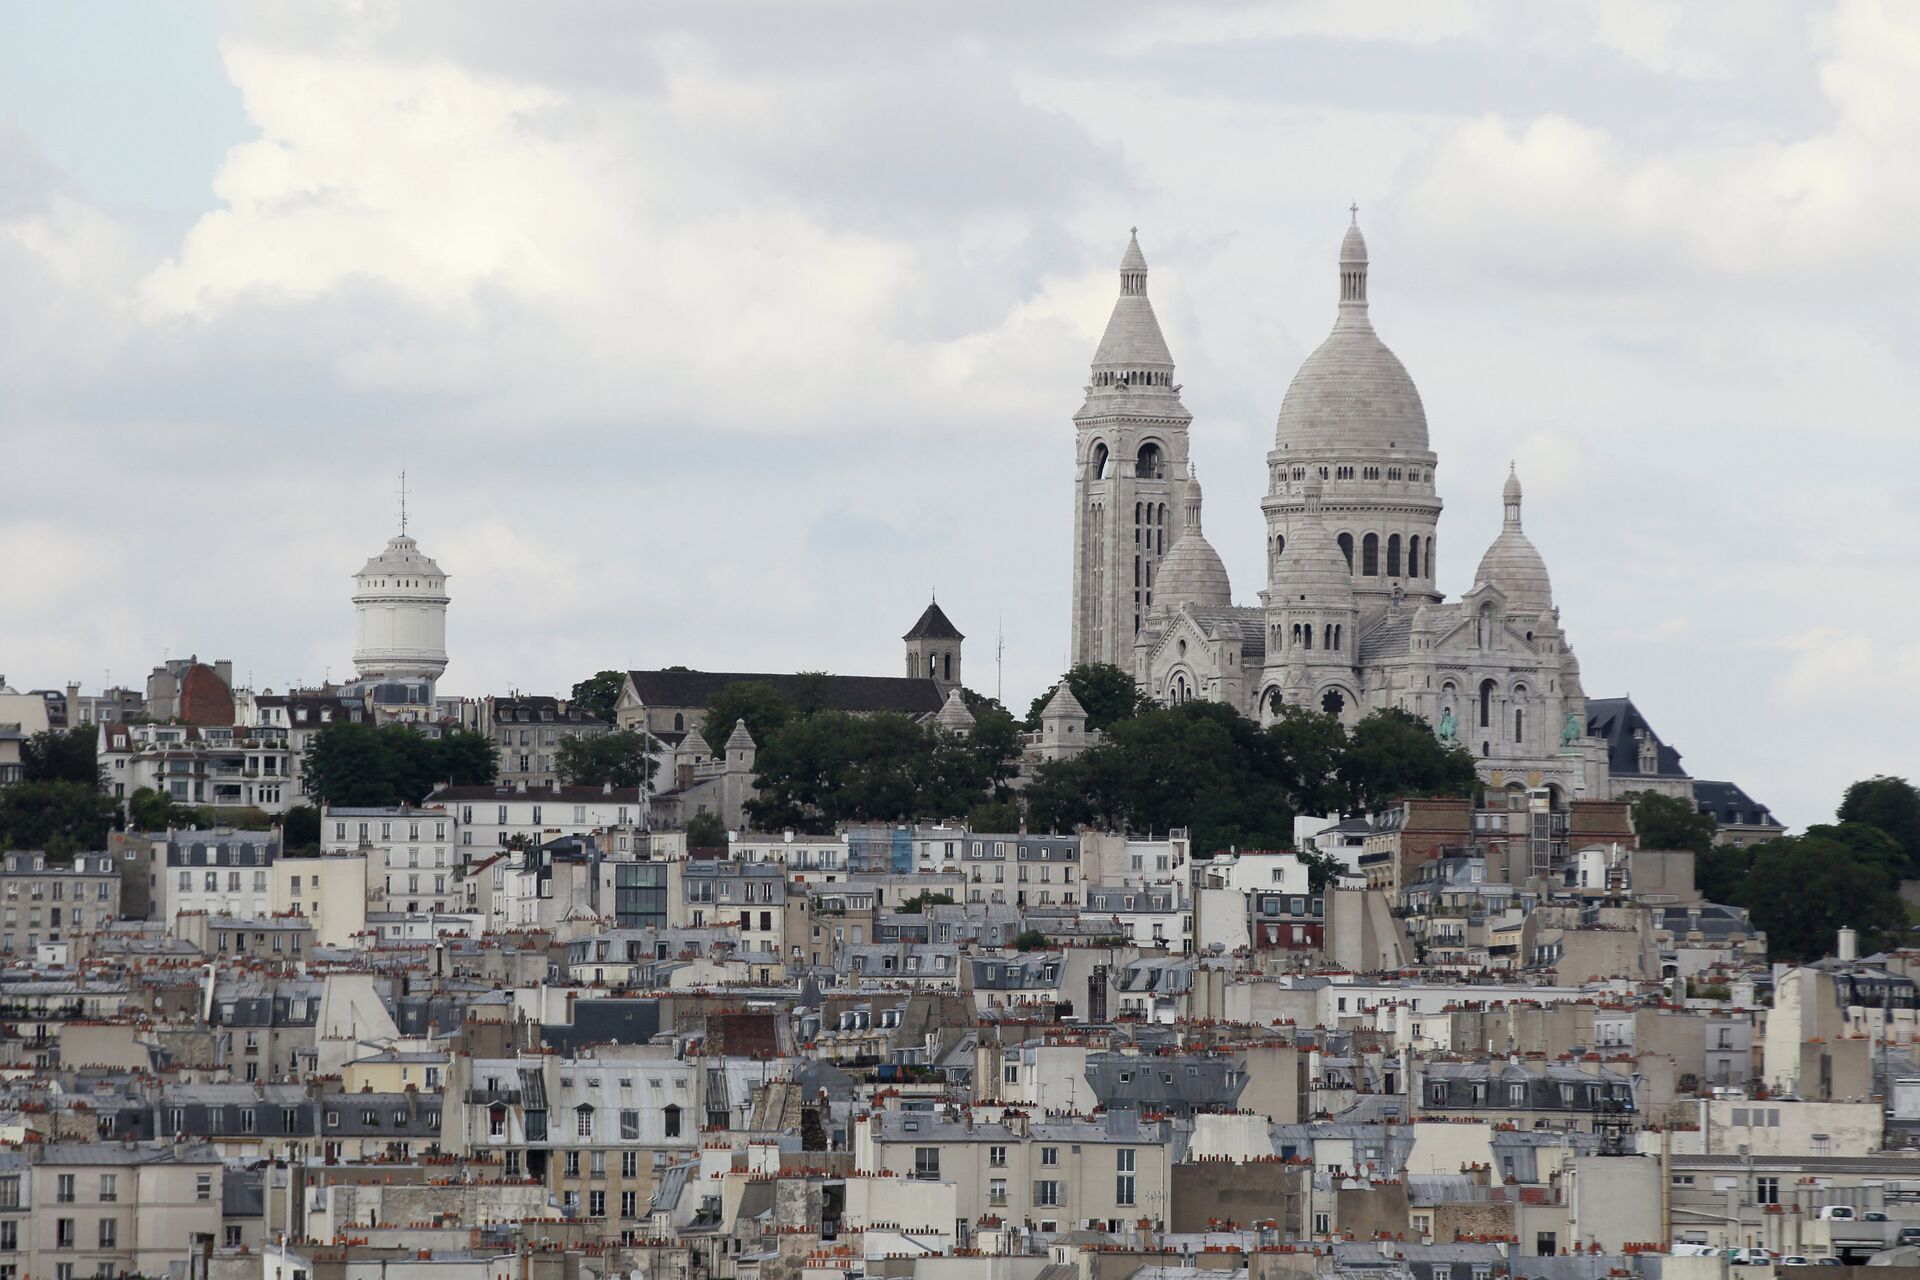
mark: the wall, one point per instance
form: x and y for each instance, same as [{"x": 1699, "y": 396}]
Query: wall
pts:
[{"x": 1240, "y": 1193}]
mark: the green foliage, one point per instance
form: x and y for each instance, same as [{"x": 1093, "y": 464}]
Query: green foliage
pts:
[
  {"x": 820, "y": 769},
  {"x": 150, "y": 810},
  {"x": 1200, "y": 765},
  {"x": 598, "y": 694},
  {"x": 59, "y": 818},
  {"x": 363, "y": 764},
  {"x": 1323, "y": 869},
  {"x": 54, "y": 756},
  {"x": 1801, "y": 890},
  {"x": 300, "y": 828},
  {"x": 620, "y": 758},
  {"x": 1891, "y": 804},
  {"x": 1667, "y": 822},
  {"x": 706, "y": 831},
  {"x": 764, "y": 708},
  {"x": 995, "y": 815},
  {"x": 1030, "y": 940},
  {"x": 1106, "y": 693},
  {"x": 1309, "y": 747},
  {"x": 924, "y": 899},
  {"x": 1392, "y": 754}
]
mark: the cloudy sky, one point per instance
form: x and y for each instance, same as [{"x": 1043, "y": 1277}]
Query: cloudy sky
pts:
[{"x": 721, "y": 334}]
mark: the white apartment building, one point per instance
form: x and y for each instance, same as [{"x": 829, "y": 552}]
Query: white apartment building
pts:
[
  {"x": 488, "y": 817},
  {"x": 409, "y": 854}
]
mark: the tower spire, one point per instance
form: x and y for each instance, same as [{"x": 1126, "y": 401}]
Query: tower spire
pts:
[
  {"x": 403, "y": 502},
  {"x": 1510, "y": 498}
]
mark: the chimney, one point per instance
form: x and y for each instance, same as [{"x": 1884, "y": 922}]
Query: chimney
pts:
[{"x": 1849, "y": 944}]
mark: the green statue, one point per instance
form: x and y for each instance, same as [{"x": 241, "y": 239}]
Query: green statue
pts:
[
  {"x": 1449, "y": 727},
  {"x": 1571, "y": 734}
]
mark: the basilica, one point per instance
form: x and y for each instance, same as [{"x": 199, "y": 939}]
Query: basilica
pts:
[{"x": 1349, "y": 618}]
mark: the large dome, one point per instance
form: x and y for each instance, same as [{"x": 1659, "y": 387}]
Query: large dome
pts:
[
  {"x": 1352, "y": 394},
  {"x": 1514, "y": 564}
]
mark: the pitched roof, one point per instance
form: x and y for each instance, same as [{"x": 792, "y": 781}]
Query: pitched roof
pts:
[
  {"x": 1730, "y": 806},
  {"x": 1615, "y": 720},
  {"x": 933, "y": 625},
  {"x": 909, "y": 695}
]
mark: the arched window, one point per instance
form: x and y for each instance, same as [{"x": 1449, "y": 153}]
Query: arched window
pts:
[
  {"x": 1100, "y": 462},
  {"x": 1346, "y": 549},
  {"x": 947, "y": 662},
  {"x": 1413, "y": 557},
  {"x": 1486, "y": 704},
  {"x": 671, "y": 1115},
  {"x": 1147, "y": 467},
  {"x": 1429, "y": 557},
  {"x": 1393, "y": 556},
  {"x": 679, "y": 722},
  {"x": 1519, "y": 724},
  {"x": 1370, "y": 556},
  {"x": 1326, "y": 637},
  {"x": 1296, "y": 635},
  {"x": 1338, "y": 636}
]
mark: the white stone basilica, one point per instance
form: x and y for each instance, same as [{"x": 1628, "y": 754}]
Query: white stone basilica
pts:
[{"x": 1350, "y": 619}]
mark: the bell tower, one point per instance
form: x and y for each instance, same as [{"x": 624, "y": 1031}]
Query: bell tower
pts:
[
  {"x": 933, "y": 648},
  {"x": 1130, "y": 467}
]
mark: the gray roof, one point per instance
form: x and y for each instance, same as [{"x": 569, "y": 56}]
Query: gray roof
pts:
[
  {"x": 1387, "y": 638},
  {"x": 1614, "y": 721},
  {"x": 1247, "y": 625}
]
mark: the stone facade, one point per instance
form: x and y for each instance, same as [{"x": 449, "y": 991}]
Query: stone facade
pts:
[{"x": 1350, "y": 620}]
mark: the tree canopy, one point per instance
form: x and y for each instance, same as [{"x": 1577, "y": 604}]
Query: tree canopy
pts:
[
  {"x": 619, "y": 758},
  {"x": 59, "y": 818},
  {"x": 1204, "y": 766},
  {"x": 1801, "y": 890},
  {"x": 599, "y": 693},
  {"x": 364, "y": 764},
  {"x": 54, "y": 755},
  {"x": 706, "y": 831},
  {"x": 1105, "y": 692},
  {"x": 764, "y": 709},
  {"x": 1892, "y": 805}
]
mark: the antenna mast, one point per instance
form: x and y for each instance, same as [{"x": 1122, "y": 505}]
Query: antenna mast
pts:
[
  {"x": 1000, "y": 661},
  {"x": 403, "y": 502}
]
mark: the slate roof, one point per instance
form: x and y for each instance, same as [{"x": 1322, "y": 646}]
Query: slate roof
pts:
[
  {"x": 1614, "y": 721},
  {"x": 1387, "y": 638},
  {"x": 909, "y": 695},
  {"x": 933, "y": 625},
  {"x": 1730, "y": 806},
  {"x": 1248, "y": 625}
]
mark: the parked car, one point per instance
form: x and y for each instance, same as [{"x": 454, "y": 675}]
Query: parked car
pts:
[
  {"x": 1751, "y": 1257},
  {"x": 1835, "y": 1213},
  {"x": 1831, "y": 1262},
  {"x": 1873, "y": 1215},
  {"x": 1910, "y": 1235},
  {"x": 1796, "y": 1260}
]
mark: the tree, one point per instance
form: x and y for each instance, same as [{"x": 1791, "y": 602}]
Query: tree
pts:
[
  {"x": 1802, "y": 890},
  {"x": 364, "y": 764},
  {"x": 764, "y": 708},
  {"x": 1105, "y": 692},
  {"x": 599, "y": 693},
  {"x": 1393, "y": 753},
  {"x": 995, "y": 815},
  {"x": 465, "y": 759},
  {"x": 1030, "y": 940},
  {"x": 55, "y": 756},
  {"x": 1323, "y": 869},
  {"x": 300, "y": 828},
  {"x": 1891, "y": 804},
  {"x": 706, "y": 831},
  {"x": 619, "y": 758},
  {"x": 1667, "y": 822},
  {"x": 1309, "y": 746},
  {"x": 1200, "y": 765},
  {"x": 58, "y": 818},
  {"x": 150, "y": 810}
]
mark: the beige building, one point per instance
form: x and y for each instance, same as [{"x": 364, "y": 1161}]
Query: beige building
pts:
[
  {"x": 329, "y": 890},
  {"x": 43, "y": 901},
  {"x": 102, "y": 1208}
]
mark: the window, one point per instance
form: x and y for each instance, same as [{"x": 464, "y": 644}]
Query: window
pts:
[
  {"x": 1766, "y": 1190},
  {"x": 629, "y": 1203},
  {"x": 926, "y": 1162},
  {"x": 583, "y": 1122},
  {"x": 109, "y": 1187},
  {"x": 629, "y": 1125},
  {"x": 63, "y": 1188},
  {"x": 997, "y": 1192},
  {"x": 109, "y": 1233},
  {"x": 1049, "y": 1156},
  {"x": 596, "y": 1204},
  {"x": 9, "y": 1235},
  {"x": 1123, "y": 1176},
  {"x": 63, "y": 1233},
  {"x": 573, "y": 1164},
  {"x": 996, "y": 1157},
  {"x": 1046, "y": 1192},
  {"x": 671, "y": 1115},
  {"x": 629, "y": 1165}
]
